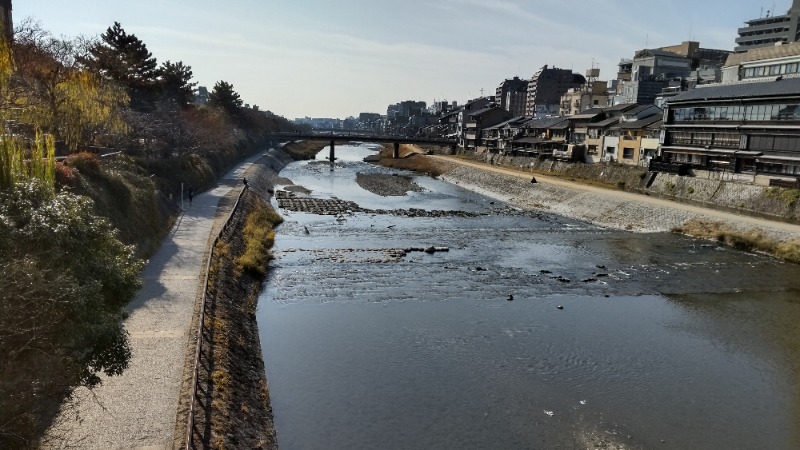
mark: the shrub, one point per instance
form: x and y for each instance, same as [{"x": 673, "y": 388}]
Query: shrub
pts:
[
  {"x": 690, "y": 190},
  {"x": 85, "y": 162},
  {"x": 66, "y": 279},
  {"x": 65, "y": 175}
]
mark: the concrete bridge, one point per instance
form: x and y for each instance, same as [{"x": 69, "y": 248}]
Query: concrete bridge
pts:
[{"x": 347, "y": 136}]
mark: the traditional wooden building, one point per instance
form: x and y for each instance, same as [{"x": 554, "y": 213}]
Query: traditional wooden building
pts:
[{"x": 741, "y": 127}]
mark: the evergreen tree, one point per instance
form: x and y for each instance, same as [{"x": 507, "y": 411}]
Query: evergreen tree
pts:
[
  {"x": 223, "y": 96},
  {"x": 175, "y": 80},
  {"x": 124, "y": 58}
]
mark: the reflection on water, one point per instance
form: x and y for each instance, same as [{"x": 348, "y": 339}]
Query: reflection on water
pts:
[{"x": 661, "y": 338}]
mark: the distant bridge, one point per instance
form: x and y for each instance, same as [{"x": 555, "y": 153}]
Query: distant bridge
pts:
[{"x": 347, "y": 136}]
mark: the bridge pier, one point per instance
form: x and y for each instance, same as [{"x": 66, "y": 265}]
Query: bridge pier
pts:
[
  {"x": 332, "y": 156},
  {"x": 396, "y": 153}
]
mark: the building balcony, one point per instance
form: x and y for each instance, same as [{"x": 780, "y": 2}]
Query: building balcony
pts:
[
  {"x": 766, "y": 27},
  {"x": 762, "y": 38}
]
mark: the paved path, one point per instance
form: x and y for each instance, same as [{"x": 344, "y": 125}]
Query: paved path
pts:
[
  {"x": 137, "y": 410},
  {"x": 622, "y": 198}
]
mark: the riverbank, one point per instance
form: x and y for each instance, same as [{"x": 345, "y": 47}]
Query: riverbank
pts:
[
  {"x": 233, "y": 408},
  {"x": 618, "y": 209}
]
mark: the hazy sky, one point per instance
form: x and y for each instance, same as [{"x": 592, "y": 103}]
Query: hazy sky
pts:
[{"x": 337, "y": 58}]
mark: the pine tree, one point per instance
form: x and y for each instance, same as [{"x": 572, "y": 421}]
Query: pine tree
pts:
[
  {"x": 224, "y": 96},
  {"x": 124, "y": 58},
  {"x": 176, "y": 85}
]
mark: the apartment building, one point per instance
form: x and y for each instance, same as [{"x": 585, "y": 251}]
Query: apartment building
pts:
[
  {"x": 511, "y": 95},
  {"x": 545, "y": 89}
]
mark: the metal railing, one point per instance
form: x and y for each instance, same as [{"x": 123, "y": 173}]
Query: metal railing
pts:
[{"x": 199, "y": 345}]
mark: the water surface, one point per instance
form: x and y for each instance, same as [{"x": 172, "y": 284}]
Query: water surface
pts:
[{"x": 663, "y": 341}]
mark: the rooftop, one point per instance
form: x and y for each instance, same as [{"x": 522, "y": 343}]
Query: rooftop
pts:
[
  {"x": 647, "y": 122},
  {"x": 778, "y": 88},
  {"x": 761, "y": 53}
]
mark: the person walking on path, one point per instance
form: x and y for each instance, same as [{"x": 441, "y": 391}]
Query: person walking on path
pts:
[{"x": 191, "y": 195}]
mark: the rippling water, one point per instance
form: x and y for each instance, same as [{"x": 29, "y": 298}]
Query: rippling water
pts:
[{"x": 663, "y": 341}]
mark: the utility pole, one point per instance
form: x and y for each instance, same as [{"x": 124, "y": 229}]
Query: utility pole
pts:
[{"x": 7, "y": 23}]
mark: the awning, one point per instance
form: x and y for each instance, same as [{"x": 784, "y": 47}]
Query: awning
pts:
[
  {"x": 792, "y": 159},
  {"x": 705, "y": 151}
]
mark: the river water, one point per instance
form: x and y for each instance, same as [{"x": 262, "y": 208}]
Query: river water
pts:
[{"x": 612, "y": 340}]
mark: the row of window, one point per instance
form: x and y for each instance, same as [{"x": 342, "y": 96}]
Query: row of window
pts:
[
  {"x": 781, "y": 111},
  {"x": 723, "y": 140},
  {"x": 773, "y": 70},
  {"x": 733, "y": 141},
  {"x": 700, "y": 160}
]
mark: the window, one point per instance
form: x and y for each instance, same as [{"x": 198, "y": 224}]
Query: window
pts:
[
  {"x": 749, "y": 72},
  {"x": 726, "y": 140},
  {"x": 702, "y": 139},
  {"x": 627, "y": 153},
  {"x": 681, "y": 138},
  {"x": 760, "y": 71},
  {"x": 787, "y": 144},
  {"x": 774, "y": 70},
  {"x": 791, "y": 68},
  {"x": 761, "y": 143}
]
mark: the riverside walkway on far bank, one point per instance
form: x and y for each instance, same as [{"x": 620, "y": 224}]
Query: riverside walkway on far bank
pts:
[
  {"x": 138, "y": 409},
  {"x": 601, "y": 206}
]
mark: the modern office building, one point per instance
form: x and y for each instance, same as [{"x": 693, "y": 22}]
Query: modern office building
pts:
[{"x": 770, "y": 30}]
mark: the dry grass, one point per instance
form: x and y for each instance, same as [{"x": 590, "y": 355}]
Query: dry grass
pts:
[
  {"x": 787, "y": 196},
  {"x": 751, "y": 240},
  {"x": 411, "y": 158},
  {"x": 259, "y": 235}
]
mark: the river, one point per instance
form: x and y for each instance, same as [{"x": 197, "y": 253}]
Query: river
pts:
[{"x": 532, "y": 331}]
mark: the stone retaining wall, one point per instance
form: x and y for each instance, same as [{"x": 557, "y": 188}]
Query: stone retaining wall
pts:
[{"x": 749, "y": 199}]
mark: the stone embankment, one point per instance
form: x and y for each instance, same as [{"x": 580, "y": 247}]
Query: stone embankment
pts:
[
  {"x": 739, "y": 197},
  {"x": 612, "y": 208}
]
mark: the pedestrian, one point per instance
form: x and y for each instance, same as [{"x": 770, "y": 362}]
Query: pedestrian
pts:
[
  {"x": 244, "y": 180},
  {"x": 191, "y": 195}
]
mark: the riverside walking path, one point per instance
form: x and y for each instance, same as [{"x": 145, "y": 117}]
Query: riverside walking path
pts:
[
  {"x": 619, "y": 209},
  {"x": 138, "y": 409}
]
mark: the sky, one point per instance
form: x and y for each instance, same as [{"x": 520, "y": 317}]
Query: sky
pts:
[{"x": 338, "y": 58}]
